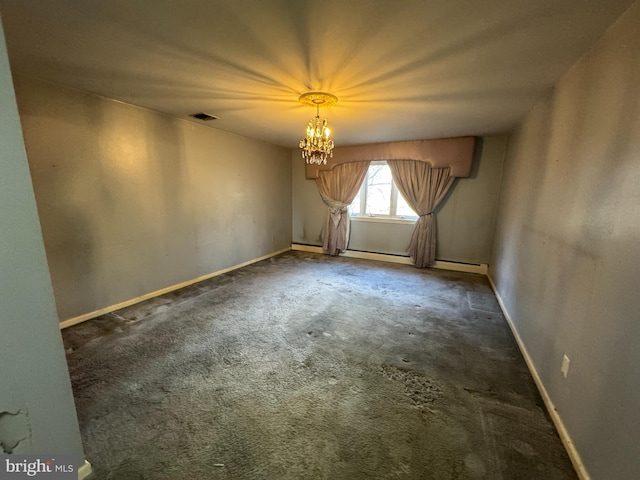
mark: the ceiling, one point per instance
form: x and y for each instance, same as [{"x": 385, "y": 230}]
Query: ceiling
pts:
[{"x": 402, "y": 69}]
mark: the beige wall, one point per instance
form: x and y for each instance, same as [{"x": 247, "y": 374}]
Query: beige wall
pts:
[
  {"x": 465, "y": 222},
  {"x": 131, "y": 201},
  {"x": 567, "y": 252}
]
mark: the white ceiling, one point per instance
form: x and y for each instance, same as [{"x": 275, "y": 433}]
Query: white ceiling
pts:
[{"x": 402, "y": 69}]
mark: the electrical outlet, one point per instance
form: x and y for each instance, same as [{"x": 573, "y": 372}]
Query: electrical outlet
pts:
[{"x": 565, "y": 366}]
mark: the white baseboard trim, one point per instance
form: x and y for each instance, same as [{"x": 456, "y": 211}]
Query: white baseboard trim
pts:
[
  {"x": 84, "y": 471},
  {"x": 87, "y": 316},
  {"x": 383, "y": 257},
  {"x": 569, "y": 446}
]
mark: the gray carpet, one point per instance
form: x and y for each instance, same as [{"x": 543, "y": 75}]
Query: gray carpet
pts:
[{"x": 312, "y": 367}]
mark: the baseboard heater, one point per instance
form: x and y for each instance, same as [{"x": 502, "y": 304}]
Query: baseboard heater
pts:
[{"x": 482, "y": 268}]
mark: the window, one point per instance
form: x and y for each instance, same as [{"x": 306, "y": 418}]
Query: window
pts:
[{"x": 378, "y": 196}]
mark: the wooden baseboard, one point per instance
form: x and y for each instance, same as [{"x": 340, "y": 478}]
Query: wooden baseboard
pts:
[
  {"x": 87, "y": 316},
  {"x": 84, "y": 471},
  {"x": 569, "y": 446},
  {"x": 383, "y": 257}
]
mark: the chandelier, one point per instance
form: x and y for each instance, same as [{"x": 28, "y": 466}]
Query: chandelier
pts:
[{"x": 317, "y": 146}]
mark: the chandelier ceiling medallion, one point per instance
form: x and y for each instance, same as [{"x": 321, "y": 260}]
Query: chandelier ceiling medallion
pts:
[{"x": 317, "y": 146}]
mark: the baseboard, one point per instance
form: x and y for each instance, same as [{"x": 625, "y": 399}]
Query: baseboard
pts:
[
  {"x": 84, "y": 471},
  {"x": 383, "y": 257},
  {"x": 569, "y": 446},
  {"x": 96, "y": 313}
]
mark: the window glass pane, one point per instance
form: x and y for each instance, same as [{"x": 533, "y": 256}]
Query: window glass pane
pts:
[
  {"x": 403, "y": 208},
  {"x": 379, "y": 190},
  {"x": 354, "y": 208}
]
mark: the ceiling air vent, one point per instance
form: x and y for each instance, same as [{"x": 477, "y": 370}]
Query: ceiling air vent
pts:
[{"x": 205, "y": 117}]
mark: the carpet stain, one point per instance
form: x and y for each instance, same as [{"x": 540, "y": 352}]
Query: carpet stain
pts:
[{"x": 422, "y": 392}]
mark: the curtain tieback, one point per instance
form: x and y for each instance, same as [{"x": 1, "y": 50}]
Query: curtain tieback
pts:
[
  {"x": 336, "y": 214},
  {"x": 337, "y": 210},
  {"x": 426, "y": 214}
]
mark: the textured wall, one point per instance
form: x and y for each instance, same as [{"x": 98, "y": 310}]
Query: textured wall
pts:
[
  {"x": 465, "y": 222},
  {"x": 132, "y": 201},
  {"x": 567, "y": 248},
  {"x": 37, "y": 413}
]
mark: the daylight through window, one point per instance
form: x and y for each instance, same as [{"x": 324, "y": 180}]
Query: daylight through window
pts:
[{"x": 379, "y": 197}]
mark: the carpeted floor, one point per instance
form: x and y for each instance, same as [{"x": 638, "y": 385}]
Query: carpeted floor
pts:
[{"x": 306, "y": 366}]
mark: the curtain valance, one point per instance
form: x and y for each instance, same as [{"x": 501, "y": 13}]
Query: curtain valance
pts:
[{"x": 456, "y": 153}]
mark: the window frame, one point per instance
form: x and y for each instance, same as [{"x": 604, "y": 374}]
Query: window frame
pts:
[{"x": 393, "y": 203}]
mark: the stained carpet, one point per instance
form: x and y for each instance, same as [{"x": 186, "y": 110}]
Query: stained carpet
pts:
[{"x": 306, "y": 366}]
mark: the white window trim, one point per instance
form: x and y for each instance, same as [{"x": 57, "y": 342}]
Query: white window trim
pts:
[{"x": 392, "y": 218}]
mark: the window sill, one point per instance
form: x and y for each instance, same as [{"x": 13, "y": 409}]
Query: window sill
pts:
[{"x": 382, "y": 219}]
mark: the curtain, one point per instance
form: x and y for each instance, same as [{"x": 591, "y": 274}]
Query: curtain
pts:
[
  {"x": 423, "y": 188},
  {"x": 338, "y": 187}
]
